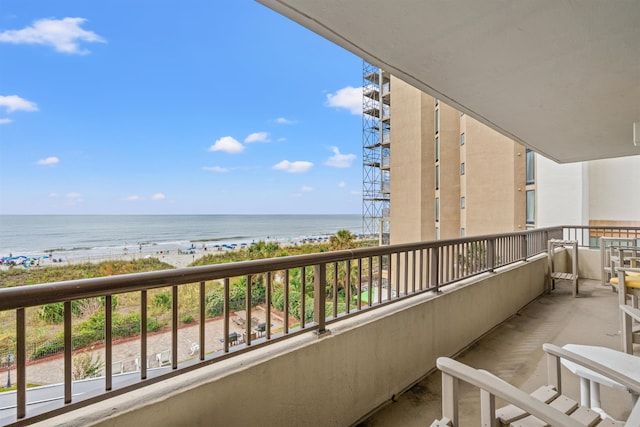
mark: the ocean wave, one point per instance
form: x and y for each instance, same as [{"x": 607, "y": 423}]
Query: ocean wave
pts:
[
  {"x": 219, "y": 239},
  {"x": 74, "y": 249}
]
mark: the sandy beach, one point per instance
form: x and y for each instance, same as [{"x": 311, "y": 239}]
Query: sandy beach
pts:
[{"x": 175, "y": 257}]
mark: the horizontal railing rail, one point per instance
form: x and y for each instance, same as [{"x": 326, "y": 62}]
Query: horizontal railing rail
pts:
[
  {"x": 589, "y": 236},
  {"x": 294, "y": 294}
]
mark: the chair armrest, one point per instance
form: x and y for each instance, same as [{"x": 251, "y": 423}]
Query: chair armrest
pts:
[
  {"x": 628, "y": 269},
  {"x": 505, "y": 391},
  {"x": 631, "y": 384}
]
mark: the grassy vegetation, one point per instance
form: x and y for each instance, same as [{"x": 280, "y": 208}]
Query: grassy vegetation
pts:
[
  {"x": 32, "y": 276},
  {"x": 15, "y": 386}
]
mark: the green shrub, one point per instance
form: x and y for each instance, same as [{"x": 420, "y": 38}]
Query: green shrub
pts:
[
  {"x": 187, "y": 318},
  {"x": 91, "y": 331},
  {"x": 53, "y": 346},
  {"x": 162, "y": 300},
  {"x": 214, "y": 301}
]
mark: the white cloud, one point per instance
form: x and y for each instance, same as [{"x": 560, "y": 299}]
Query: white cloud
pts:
[
  {"x": 5, "y": 121},
  {"x": 73, "y": 199},
  {"x": 339, "y": 160},
  {"x": 132, "y": 198},
  {"x": 306, "y": 188},
  {"x": 49, "y": 161},
  {"x": 64, "y": 35},
  {"x": 158, "y": 196},
  {"x": 227, "y": 144},
  {"x": 342, "y": 184},
  {"x": 293, "y": 167},
  {"x": 257, "y": 137},
  {"x": 283, "y": 121},
  {"x": 15, "y": 103},
  {"x": 347, "y": 97},
  {"x": 215, "y": 169}
]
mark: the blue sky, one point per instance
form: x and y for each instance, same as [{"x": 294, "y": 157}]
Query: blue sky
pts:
[{"x": 167, "y": 107}]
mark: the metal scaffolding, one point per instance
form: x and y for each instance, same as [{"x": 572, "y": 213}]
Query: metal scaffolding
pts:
[{"x": 376, "y": 127}]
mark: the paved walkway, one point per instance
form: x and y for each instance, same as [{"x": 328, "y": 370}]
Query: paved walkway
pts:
[{"x": 51, "y": 370}]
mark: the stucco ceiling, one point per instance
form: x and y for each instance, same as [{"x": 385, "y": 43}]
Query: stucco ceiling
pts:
[{"x": 560, "y": 76}]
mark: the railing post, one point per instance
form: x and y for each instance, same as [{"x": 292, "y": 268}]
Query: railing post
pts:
[
  {"x": 268, "y": 302},
  {"x": 67, "y": 352},
  {"x": 174, "y": 327},
  {"x": 247, "y": 308},
  {"x": 225, "y": 315},
  {"x": 203, "y": 308},
  {"x": 108, "y": 349},
  {"x": 143, "y": 335},
  {"x": 491, "y": 254},
  {"x": 523, "y": 243},
  {"x": 435, "y": 267},
  {"x": 303, "y": 292},
  {"x": 320, "y": 297},
  {"x": 21, "y": 358}
]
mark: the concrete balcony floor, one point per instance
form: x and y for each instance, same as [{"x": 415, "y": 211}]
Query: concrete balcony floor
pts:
[{"x": 513, "y": 351}]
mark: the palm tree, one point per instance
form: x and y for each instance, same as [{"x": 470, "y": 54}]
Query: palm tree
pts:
[
  {"x": 263, "y": 250},
  {"x": 343, "y": 239}
]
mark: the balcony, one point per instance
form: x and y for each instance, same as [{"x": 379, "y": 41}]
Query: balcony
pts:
[
  {"x": 401, "y": 304},
  {"x": 513, "y": 351}
]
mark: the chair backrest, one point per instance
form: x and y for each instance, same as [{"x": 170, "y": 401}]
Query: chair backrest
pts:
[
  {"x": 164, "y": 357},
  {"x": 492, "y": 387}
]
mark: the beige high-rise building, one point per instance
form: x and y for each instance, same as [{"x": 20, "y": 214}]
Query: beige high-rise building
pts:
[{"x": 448, "y": 175}]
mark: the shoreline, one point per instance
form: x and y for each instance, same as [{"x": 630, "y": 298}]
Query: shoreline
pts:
[{"x": 177, "y": 257}]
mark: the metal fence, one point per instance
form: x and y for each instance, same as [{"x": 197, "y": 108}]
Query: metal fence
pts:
[
  {"x": 309, "y": 292},
  {"x": 589, "y": 236}
]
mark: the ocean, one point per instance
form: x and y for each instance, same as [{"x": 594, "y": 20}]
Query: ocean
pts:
[{"x": 95, "y": 236}]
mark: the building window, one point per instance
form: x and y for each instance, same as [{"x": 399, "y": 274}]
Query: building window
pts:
[
  {"x": 437, "y": 177},
  {"x": 437, "y": 124},
  {"x": 462, "y": 138},
  {"x": 531, "y": 170},
  {"x": 462, "y": 168},
  {"x": 531, "y": 207},
  {"x": 437, "y": 148},
  {"x": 463, "y": 202},
  {"x": 437, "y": 233},
  {"x": 437, "y": 101},
  {"x": 462, "y": 232},
  {"x": 437, "y": 209}
]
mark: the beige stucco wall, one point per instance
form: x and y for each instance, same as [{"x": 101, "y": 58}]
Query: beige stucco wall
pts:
[
  {"x": 495, "y": 182},
  {"x": 449, "y": 172},
  {"x": 412, "y": 159},
  {"x": 333, "y": 380}
]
